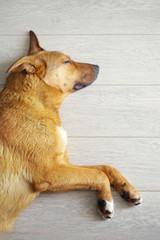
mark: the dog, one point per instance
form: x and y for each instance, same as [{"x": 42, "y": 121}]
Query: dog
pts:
[{"x": 33, "y": 143}]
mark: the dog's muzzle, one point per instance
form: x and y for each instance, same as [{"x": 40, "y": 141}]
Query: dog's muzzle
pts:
[{"x": 81, "y": 85}]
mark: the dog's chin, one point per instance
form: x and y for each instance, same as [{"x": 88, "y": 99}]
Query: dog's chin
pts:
[{"x": 79, "y": 86}]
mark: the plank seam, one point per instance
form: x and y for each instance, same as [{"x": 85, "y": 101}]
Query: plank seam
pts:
[
  {"x": 131, "y": 137},
  {"x": 84, "y": 34},
  {"x": 142, "y": 191}
]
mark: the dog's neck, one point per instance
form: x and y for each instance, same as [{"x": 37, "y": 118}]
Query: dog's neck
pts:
[{"x": 30, "y": 86}]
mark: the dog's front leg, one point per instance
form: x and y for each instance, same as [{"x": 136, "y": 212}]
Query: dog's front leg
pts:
[
  {"x": 69, "y": 177},
  {"x": 126, "y": 190}
]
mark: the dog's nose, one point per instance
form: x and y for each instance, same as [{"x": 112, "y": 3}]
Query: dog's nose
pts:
[{"x": 96, "y": 68}]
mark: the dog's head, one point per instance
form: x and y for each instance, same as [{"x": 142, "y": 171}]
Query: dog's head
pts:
[{"x": 55, "y": 68}]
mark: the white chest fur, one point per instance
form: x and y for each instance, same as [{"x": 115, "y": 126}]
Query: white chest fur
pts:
[{"x": 62, "y": 139}]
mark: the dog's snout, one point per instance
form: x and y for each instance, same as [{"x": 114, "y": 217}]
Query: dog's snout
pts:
[{"x": 96, "y": 68}]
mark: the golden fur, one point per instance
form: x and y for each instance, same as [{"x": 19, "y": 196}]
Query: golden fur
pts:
[{"x": 33, "y": 143}]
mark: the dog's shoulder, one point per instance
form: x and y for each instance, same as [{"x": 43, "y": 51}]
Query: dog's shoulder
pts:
[{"x": 20, "y": 126}]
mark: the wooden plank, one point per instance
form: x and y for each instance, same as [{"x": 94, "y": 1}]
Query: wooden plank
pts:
[
  {"x": 99, "y": 111},
  {"x": 122, "y": 59},
  {"x": 74, "y": 216},
  {"x": 137, "y": 159},
  {"x": 81, "y": 17},
  {"x": 113, "y": 111}
]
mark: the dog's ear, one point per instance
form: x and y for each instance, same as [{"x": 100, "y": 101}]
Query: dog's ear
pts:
[
  {"x": 34, "y": 44},
  {"x": 29, "y": 64},
  {"x": 25, "y": 63}
]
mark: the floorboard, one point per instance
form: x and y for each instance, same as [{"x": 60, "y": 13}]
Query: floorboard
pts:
[{"x": 74, "y": 216}]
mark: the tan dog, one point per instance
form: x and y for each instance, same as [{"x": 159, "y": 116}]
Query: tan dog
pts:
[{"x": 33, "y": 143}]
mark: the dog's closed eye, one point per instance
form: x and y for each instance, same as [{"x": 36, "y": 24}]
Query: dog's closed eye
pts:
[{"x": 68, "y": 61}]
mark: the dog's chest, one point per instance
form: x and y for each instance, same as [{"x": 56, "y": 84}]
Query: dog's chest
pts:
[{"x": 62, "y": 139}]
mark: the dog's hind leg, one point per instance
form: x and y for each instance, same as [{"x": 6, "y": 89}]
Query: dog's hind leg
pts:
[
  {"x": 69, "y": 177},
  {"x": 116, "y": 179}
]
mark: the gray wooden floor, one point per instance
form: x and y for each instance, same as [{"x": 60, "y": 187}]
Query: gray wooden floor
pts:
[{"x": 115, "y": 121}]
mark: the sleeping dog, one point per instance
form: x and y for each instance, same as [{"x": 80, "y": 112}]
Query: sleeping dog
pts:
[{"x": 33, "y": 143}]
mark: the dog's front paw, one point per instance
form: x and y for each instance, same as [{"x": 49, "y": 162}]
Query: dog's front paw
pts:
[
  {"x": 132, "y": 197},
  {"x": 105, "y": 208},
  {"x": 129, "y": 194}
]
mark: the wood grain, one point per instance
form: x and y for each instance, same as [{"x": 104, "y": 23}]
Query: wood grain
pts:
[
  {"x": 113, "y": 111},
  {"x": 74, "y": 216},
  {"x": 81, "y": 17}
]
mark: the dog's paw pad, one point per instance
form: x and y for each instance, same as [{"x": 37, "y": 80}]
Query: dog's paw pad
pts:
[
  {"x": 125, "y": 195},
  {"x": 105, "y": 208},
  {"x": 136, "y": 200}
]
